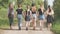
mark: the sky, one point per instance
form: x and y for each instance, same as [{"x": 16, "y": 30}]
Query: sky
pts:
[{"x": 50, "y": 2}]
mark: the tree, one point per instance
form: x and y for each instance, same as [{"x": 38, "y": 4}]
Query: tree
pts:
[
  {"x": 19, "y": 1},
  {"x": 56, "y": 7},
  {"x": 45, "y": 4},
  {"x": 3, "y": 3}
]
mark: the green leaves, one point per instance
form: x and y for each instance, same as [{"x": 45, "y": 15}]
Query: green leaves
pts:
[
  {"x": 3, "y": 3},
  {"x": 19, "y": 1},
  {"x": 57, "y": 8}
]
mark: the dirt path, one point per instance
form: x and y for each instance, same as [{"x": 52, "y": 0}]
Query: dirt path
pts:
[{"x": 23, "y": 31}]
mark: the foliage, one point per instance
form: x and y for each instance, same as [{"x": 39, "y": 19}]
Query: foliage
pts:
[
  {"x": 3, "y": 3},
  {"x": 56, "y": 25},
  {"x": 57, "y": 8}
]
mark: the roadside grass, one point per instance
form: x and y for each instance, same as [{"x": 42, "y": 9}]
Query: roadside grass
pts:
[{"x": 56, "y": 27}]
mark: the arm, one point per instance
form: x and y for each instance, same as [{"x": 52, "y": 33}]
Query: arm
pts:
[
  {"x": 37, "y": 13},
  {"x": 46, "y": 13},
  {"x": 31, "y": 13},
  {"x": 24, "y": 13},
  {"x": 52, "y": 13},
  {"x": 15, "y": 14}
]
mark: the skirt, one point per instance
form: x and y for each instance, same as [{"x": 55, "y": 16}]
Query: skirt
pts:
[
  {"x": 49, "y": 19},
  {"x": 27, "y": 18}
]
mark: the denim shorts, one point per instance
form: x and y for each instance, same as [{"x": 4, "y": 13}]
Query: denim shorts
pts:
[
  {"x": 34, "y": 16},
  {"x": 41, "y": 17},
  {"x": 27, "y": 18}
]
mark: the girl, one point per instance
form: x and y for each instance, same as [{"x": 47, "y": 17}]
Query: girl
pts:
[
  {"x": 11, "y": 14},
  {"x": 33, "y": 9},
  {"x": 19, "y": 16},
  {"x": 27, "y": 17},
  {"x": 50, "y": 15},
  {"x": 41, "y": 16}
]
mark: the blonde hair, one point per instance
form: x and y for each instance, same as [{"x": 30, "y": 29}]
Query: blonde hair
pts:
[{"x": 10, "y": 5}]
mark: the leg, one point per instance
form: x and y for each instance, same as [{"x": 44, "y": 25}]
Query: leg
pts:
[
  {"x": 19, "y": 24},
  {"x": 43, "y": 23},
  {"x": 34, "y": 24},
  {"x": 26, "y": 25},
  {"x": 49, "y": 26},
  {"x": 20, "y": 21},
  {"x": 40, "y": 25},
  {"x": 11, "y": 22}
]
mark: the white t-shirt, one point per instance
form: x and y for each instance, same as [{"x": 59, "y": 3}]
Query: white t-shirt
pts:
[{"x": 12, "y": 12}]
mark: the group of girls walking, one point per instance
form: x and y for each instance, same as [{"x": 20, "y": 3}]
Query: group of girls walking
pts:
[{"x": 31, "y": 15}]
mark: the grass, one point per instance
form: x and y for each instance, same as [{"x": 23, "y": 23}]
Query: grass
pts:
[
  {"x": 3, "y": 17},
  {"x": 56, "y": 27},
  {"x": 4, "y": 22}
]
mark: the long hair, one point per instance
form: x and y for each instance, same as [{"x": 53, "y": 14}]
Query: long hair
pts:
[
  {"x": 49, "y": 8},
  {"x": 10, "y": 6},
  {"x": 28, "y": 6}
]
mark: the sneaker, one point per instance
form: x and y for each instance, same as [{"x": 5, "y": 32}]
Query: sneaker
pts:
[
  {"x": 26, "y": 28},
  {"x": 11, "y": 27},
  {"x": 34, "y": 28},
  {"x": 19, "y": 28},
  {"x": 40, "y": 29}
]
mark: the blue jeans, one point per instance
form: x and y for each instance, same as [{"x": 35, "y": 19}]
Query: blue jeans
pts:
[
  {"x": 11, "y": 21},
  {"x": 19, "y": 16}
]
